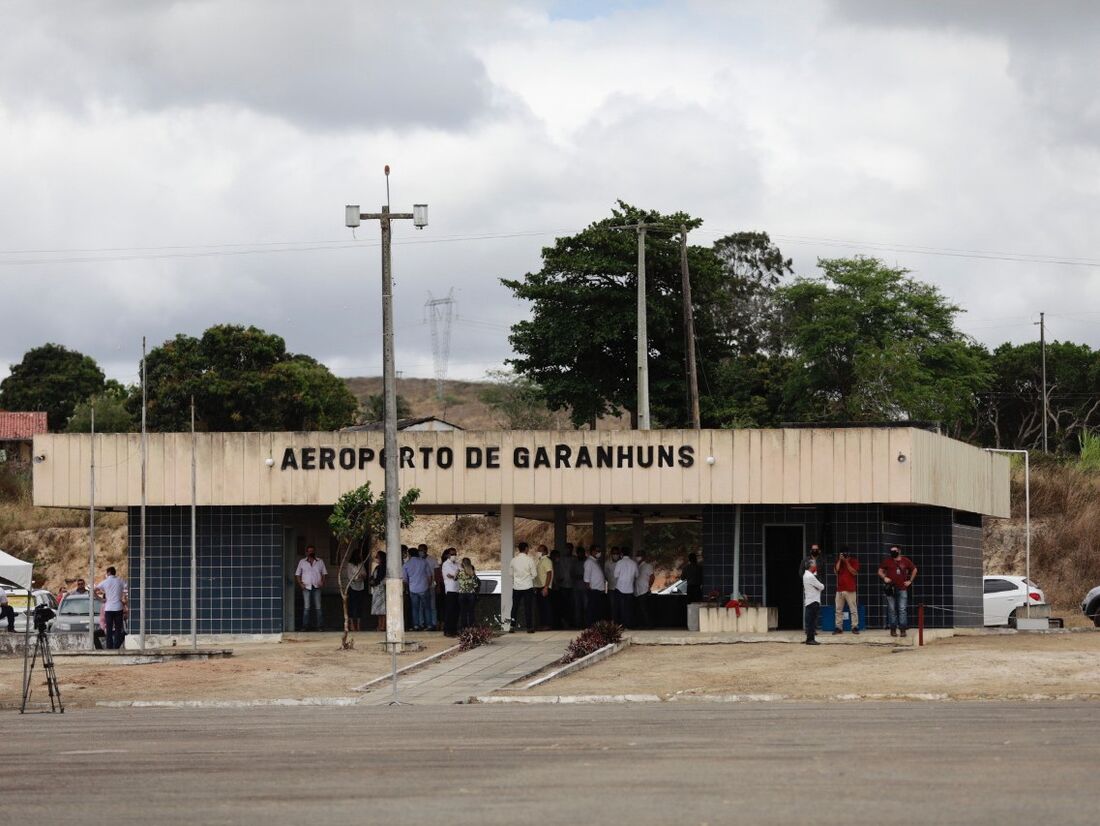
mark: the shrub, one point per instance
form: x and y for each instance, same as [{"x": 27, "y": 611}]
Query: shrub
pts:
[
  {"x": 474, "y": 635},
  {"x": 592, "y": 639}
]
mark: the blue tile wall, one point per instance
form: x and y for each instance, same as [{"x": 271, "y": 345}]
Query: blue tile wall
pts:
[
  {"x": 948, "y": 555},
  {"x": 239, "y": 552}
]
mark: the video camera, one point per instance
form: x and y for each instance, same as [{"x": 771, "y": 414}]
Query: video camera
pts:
[{"x": 42, "y": 616}]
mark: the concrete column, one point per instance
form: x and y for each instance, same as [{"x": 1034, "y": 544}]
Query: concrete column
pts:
[
  {"x": 599, "y": 528},
  {"x": 637, "y": 533},
  {"x": 507, "y": 549},
  {"x": 561, "y": 529}
]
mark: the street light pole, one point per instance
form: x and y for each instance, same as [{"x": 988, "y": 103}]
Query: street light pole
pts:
[
  {"x": 395, "y": 615},
  {"x": 1027, "y": 518}
]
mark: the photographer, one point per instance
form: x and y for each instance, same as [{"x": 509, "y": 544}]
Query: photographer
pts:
[
  {"x": 6, "y": 611},
  {"x": 847, "y": 571},
  {"x": 897, "y": 573}
]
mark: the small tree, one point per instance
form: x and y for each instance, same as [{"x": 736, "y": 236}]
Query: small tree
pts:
[{"x": 356, "y": 517}]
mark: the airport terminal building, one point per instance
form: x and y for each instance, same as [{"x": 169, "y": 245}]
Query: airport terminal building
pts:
[{"x": 761, "y": 497}]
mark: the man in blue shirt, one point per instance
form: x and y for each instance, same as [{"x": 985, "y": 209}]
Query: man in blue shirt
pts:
[{"x": 418, "y": 575}]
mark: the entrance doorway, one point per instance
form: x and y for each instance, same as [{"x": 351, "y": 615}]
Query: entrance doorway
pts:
[{"x": 784, "y": 547}]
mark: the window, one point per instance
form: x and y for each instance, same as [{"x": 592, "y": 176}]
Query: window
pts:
[{"x": 995, "y": 586}]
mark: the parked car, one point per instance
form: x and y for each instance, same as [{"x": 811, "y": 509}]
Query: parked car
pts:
[
  {"x": 1090, "y": 606},
  {"x": 72, "y": 616},
  {"x": 680, "y": 586},
  {"x": 1004, "y": 595},
  {"x": 17, "y": 598},
  {"x": 490, "y": 582}
]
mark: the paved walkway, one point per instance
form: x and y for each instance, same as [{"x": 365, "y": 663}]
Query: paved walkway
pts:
[{"x": 470, "y": 673}]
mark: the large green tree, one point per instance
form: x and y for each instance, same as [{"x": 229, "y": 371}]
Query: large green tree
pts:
[
  {"x": 241, "y": 378},
  {"x": 580, "y": 343},
  {"x": 867, "y": 342},
  {"x": 1011, "y": 410},
  {"x": 51, "y": 378},
  {"x": 111, "y": 412}
]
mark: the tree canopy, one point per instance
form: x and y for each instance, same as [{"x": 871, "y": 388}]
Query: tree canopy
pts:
[
  {"x": 54, "y": 379},
  {"x": 580, "y": 343},
  {"x": 866, "y": 342},
  {"x": 111, "y": 412},
  {"x": 242, "y": 378}
]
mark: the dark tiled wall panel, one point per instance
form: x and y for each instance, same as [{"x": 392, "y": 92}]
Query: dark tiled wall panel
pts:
[
  {"x": 239, "y": 570},
  {"x": 947, "y": 555}
]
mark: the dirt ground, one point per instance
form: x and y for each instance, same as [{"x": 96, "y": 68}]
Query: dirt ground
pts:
[
  {"x": 304, "y": 666},
  {"x": 970, "y": 667}
]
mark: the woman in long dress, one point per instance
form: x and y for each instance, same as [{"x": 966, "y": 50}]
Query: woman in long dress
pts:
[{"x": 378, "y": 590}]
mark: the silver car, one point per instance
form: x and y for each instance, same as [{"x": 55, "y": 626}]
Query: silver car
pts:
[{"x": 72, "y": 616}]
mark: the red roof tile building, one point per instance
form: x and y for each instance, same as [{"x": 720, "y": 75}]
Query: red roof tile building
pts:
[{"x": 17, "y": 432}]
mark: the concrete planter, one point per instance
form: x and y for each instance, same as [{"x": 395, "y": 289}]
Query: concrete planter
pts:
[{"x": 719, "y": 619}]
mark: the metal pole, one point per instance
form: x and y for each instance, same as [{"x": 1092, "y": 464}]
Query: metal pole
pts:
[
  {"x": 689, "y": 330},
  {"x": 1027, "y": 531},
  {"x": 395, "y": 614},
  {"x": 1043, "y": 351},
  {"x": 643, "y": 340},
  {"x": 144, "y": 459},
  {"x": 1027, "y": 519},
  {"x": 194, "y": 540},
  {"x": 91, "y": 543}
]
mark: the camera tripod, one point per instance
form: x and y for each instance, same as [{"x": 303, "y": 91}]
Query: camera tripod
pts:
[{"x": 41, "y": 649}]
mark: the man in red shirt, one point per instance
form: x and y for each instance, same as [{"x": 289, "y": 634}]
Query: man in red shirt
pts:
[
  {"x": 847, "y": 569},
  {"x": 897, "y": 573}
]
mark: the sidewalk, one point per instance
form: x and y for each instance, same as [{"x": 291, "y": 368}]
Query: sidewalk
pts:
[{"x": 470, "y": 673}]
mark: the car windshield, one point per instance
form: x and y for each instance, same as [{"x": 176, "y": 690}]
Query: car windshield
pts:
[{"x": 78, "y": 605}]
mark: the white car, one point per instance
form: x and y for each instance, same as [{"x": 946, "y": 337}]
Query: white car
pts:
[
  {"x": 1003, "y": 595},
  {"x": 679, "y": 587},
  {"x": 490, "y": 582}
]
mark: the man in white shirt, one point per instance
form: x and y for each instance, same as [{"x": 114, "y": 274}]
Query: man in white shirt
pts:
[
  {"x": 811, "y": 601},
  {"x": 622, "y": 597},
  {"x": 311, "y": 575},
  {"x": 114, "y": 607},
  {"x": 524, "y": 572},
  {"x": 643, "y": 585},
  {"x": 450, "y": 571},
  {"x": 595, "y": 605}
]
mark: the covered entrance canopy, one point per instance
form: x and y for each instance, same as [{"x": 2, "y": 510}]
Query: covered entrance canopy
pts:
[
  {"x": 15, "y": 570},
  {"x": 856, "y": 486}
]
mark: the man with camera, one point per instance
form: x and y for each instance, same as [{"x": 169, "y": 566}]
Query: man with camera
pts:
[
  {"x": 847, "y": 570},
  {"x": 114, "y": 607},
  {"x": 897, "y": 573},
  {"x": 6, "y": 611}
]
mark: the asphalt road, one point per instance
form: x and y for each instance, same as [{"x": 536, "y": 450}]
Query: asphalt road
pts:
[{"x": 648, "y": 763}]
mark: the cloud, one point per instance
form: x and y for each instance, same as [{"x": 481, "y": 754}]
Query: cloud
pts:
[{"x": 329, "y": 65}]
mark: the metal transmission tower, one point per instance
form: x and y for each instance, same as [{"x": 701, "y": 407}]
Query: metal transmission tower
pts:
[{"x": 440, "y": 312}]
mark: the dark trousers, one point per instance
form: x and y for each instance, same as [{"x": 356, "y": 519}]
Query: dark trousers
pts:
[
  {"x": 450, "y": 613},
  {"x": 595, "y": 607},
  {"x": 643, "y": 608},
  {"x": 114, "y": 628},
  {"x": 810, "y": 620},
  {"x": 526, "y": 599},
  {"x": 466, "y": 603},
  {"x": 580, "y": 605},
  {"x": 8, "y": 613},
  {"x": 563, "y": 607},
  {"x": 545, "y": 608},
  {"x": 622, "y": 608}
]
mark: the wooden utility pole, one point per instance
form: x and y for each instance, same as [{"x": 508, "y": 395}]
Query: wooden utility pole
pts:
[{"x": 689, "y": 330}]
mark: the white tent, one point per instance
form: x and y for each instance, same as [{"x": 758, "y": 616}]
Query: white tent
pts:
[{"x": 15, "y": 570}]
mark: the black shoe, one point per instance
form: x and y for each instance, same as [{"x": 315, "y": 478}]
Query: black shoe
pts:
[
  {"x": 511, "y": 630},
  {"x": 812, "y": 642},
  {"x": 893, "y": 632},
  {"x": 855, "y": 630},
  {"x": 903, "y": 632},
  {"x": 837, "y": 631}
]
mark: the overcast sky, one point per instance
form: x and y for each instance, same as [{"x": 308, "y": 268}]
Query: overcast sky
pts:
[{"x": 167, "y": 166}]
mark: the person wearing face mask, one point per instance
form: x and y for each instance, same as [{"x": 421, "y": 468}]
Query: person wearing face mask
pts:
[{"x": 897, "y": 573}]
